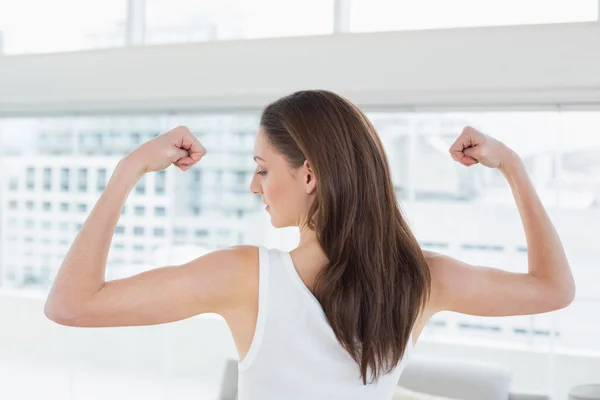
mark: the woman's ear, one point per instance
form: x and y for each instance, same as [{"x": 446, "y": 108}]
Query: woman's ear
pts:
[{"x": 310, "y": 178}]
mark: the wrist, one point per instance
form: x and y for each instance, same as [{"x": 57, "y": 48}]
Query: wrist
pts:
[
  {"x": 130, "y": 165},
  {"x": 511, "y": 163}
]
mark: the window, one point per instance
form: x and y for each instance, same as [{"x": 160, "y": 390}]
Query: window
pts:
[
  {"x": 438, "y": 193},
  {"x": 97, "y": 139},
  {"x": 160, "y": 182},
  {"x": 201, "y": 233},
  {"x": 482, "y": 247},
  {"x": 31, "y": 26},
  {"x": 197, "y": 176},
  {"x": 12, "y": 205},
  {"x": 448, "y": 205},
  {"x": 436, "y": 323},
  {"x": 29, "y": 205},
  {"x": 218, "y": 176},
  {"x": 140, "y": 186},
  {"x": 47, "y": 179},
  {"x": 64, "y": 179},
  {"x": 199, "y": 21},
  {"x": 140, "y": 210},
  {"x": 83, "y": 179},
  {"x": 433, "y": 245},
  {"x": 397, "y": 15},
  {"x": 241, "y": 177},
  {"x": 223, "y": 233},
  {"x": 101, "y": 179},
  {"x": 135, "y": 139},
  {"x": 30, "y": 179},
  {"x": 47, "y": 206},
  {"x": 82, "y": 207}
]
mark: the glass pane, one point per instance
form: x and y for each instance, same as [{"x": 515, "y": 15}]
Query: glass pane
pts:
[
  {"x": 197, "y": 21},
  {"x": 579, "y": 325},
  {"x": 579, "y": 197},
  {"x": 33, "y": 26},
  {"x": 396, "y": 15},
  {"x": 533, "y": 135},
  {"x": 216, "y": 208},
  {"x": 60, "y": 166},
  {"x": 470, "y": 213},
  {"x": 394, "y": 132},
  {"x": 467, "y": 213}
]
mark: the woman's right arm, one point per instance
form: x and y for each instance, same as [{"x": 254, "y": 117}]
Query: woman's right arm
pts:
[{"x": 216, "y": 282}]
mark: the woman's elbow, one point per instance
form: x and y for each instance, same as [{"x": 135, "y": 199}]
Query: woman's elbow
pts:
[
  {"x": 60, "y": 313},
  {"x": 563, "y": 296}
]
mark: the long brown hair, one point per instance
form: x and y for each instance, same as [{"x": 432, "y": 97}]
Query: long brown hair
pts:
[{"x": 376, "y": 281}]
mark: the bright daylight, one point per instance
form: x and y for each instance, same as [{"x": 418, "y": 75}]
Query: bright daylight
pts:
[{"x": 300, "y": 199}]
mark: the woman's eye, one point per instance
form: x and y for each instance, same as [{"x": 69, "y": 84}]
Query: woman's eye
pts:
[{"x": 262, "y": 172}]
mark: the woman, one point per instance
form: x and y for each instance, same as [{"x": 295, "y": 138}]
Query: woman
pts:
[{"x": 338, "y": 316}]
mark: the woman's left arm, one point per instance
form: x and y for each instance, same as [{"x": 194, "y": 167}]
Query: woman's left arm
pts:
[{"x": 548, "y": 285}]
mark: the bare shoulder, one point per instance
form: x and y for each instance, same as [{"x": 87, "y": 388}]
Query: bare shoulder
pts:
[
  {"x": 444, "y": 271},
  {"x": 244, "y": 252},
  {"x": 241, "y": 262},
  {"x": 234, "y": 258},
  {"x": 228, "y": 277},
  {"x": 440, "y": 268}
]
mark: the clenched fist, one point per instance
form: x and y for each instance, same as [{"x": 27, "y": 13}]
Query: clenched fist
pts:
[
  {"x": 178, "y": 147},
  {"x": 474, "y": 147}
]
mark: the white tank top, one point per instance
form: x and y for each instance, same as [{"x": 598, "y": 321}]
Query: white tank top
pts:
[{"x": 294, "y": 353}]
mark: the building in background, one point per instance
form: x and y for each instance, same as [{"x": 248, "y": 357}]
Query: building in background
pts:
[{"x": 52, "y": 184}]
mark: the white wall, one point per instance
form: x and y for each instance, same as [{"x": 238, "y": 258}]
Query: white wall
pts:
[{"x": 476, "y": 66}]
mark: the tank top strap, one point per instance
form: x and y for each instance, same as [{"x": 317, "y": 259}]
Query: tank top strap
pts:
[{"x": 263, "y": 300}]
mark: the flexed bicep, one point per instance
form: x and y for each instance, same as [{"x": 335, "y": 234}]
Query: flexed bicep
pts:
[
  {"x": 212, "y": 283},
  {"x": 486, "y": 291}
]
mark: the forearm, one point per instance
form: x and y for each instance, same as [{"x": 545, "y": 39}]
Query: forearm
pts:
[
  {"x": 546, "y": 257},
  {"x": 82, "y": 272}
]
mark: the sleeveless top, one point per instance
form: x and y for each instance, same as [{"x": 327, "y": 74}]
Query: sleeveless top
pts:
[{"x": 294, "y": 354}]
